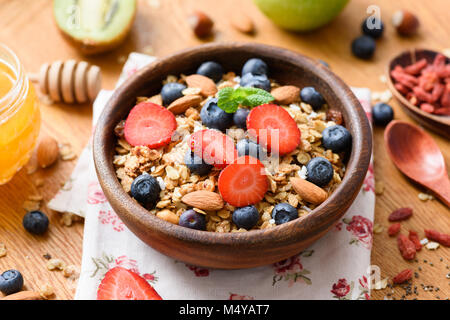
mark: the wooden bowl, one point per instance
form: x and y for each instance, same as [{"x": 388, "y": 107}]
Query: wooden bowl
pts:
[
  {"x": 233, "y": 250},
  {"x": 436, "y": 123}
]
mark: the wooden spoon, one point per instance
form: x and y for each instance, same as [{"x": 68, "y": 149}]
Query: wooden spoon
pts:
[{"x": 415, "y": 153}]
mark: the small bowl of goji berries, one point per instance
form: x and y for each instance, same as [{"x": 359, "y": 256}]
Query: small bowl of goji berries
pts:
[{"x": 420, "y": 80}]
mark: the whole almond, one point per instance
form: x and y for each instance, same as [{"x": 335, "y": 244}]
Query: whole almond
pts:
[
  {"x": 182, "y": 104},
  {"x": 47, "y": 152},
  {"x": 205, "y": 84},
  {"x": 204, "y": 200},
  {"x": 242, "y": 23},
  {"x": 168, "y": 215},
  {"x": 286, "y": 94},
  {"x": 309, "y": 191},
  {"x": 201, "y": 24},
  {"x": 23, "y": 295}
]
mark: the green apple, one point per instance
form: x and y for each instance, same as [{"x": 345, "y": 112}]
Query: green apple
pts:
[{"x": 301, "y": 15}]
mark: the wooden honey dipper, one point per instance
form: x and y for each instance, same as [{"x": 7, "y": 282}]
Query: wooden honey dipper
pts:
[{"x": 69, "y": 81}]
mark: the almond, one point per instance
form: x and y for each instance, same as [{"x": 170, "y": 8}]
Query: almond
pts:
[
  {"x": 242, "y": 23},
  {"x": 23, "y": 295},
  {"x": 201, "y": 24},
  {"x": 204, "y": 200},
  {"x": 206, "y": 85},
  {"x": 286, "y": 94},
  {"x": 168, "y": 216},
  {"x": 182, "y": 104},
  {"x": 47, "y": 152},
  {"x": 309, "y": 191}
]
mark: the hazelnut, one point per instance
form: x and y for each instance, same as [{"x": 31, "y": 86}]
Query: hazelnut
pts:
[
  {"x": 405, "y": 22},
  {"x": 201, "y": 24}
]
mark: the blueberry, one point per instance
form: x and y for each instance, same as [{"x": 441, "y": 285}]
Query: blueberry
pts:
[
  {"x": 196, "y": 164},
  {"x": 145, "y": 189},
  {"x": 171, "y": 92},
  {"x": 193, "y": 220},
  {"x": 312, "y": 97},
  {"x": 11, "y": 281},
  {"x": 363, "y": 47},
  {"x": 214, "y": 117},
  {"x": 284, "y": 212},
  {"x": 255, "y": 81},
  {"x": 320, "y": 171},
  {"x": 255, "y": 66},
  {"x": 245, "y": 217},
  {"x": 382, "y": 114},
  {"x": 372, "y": 27},
  {"x": 211, "y": 70},
  {"x": 240, "y": 118},
  {"x": 35, "y": 222},
  {"x": 336, "y": 138},
  {"x": 247, "y": 147}
]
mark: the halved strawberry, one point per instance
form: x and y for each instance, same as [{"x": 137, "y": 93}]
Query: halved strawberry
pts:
[
  {"x": 122, "y": 284},
  {"x": 243, "y": 182},
  {"x": 150, "y": 125},
  {"x": 268, "y": 120},
  {"x": 213, "y": 147}
]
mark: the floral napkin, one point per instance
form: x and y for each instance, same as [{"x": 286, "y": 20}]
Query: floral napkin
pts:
[{"x": 335, "y": 267}]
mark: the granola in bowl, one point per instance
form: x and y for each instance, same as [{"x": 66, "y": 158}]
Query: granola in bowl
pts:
[{"x": 217, "y": 152}]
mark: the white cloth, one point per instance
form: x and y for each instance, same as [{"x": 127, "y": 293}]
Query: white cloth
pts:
[{"x": 335, "y": 266}]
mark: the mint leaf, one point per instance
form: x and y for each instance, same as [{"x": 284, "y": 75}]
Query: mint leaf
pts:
[{"x": 230, "y": 99}]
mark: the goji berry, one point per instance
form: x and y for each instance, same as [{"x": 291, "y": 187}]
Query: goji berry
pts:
[
  {"x": 414, "y": 237},
  {"x": 400, "y": 214},
  {"x": 394, "y": 229},
  {"x": 403, "y": 276},
  {"x": 416, "y": 67},
  {"x": 427, "y": 107},
  {"x": 437, "y": 236},
  {"x": 406, "y": 247}
]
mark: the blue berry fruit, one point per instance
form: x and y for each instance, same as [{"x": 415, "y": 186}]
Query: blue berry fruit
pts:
[
  {"x": 171, "y": 92},
  {"x": 35, "y": 222},
  {"x": 255, "y": 66},
  {"x": 382, "y": 114},
  {"x": 245, "y": 217},
  {"x": 255, "y": 81},
  {"x": 284, "y": 212},
  {"x": 336, "y": 138},
  {"x": 312, "y": 97},
  {"x": 11, "y": 281},
  {"x": 240, "y": 118},
  {"x": 193, "y": 220},
  {"x": 363, "y": 47},
  {"x": 145, "y": 189},
  {"x": 196, "y": 164},
  {"x": 320, "y": 171},
  {"x": 372, "y": 27},
  {"x": 212, "y": 70},
  {"x": 214, "y": 117},
  {"x": 247, "y": 147}
]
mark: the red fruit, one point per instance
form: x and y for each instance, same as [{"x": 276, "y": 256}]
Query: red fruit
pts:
[
  {"x": 403, "y": 276},
  {"x": 437, "y": 236},
  {"x": 122, "y": 284},
  {"x": 400, "y": 214},
  {"x": 265, "y": 121},
  {"x": 406, "y": 247},
  {"x": 150, "y": 125},
  {"x": 394, "y": 229},
  {"x": 414, "y": 237},
  {"x": 243, "y": 182},
  {"x": 213, "y": 147}
]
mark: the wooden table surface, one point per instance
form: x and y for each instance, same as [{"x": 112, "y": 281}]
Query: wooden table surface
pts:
[{"x": 27, "y": 27}]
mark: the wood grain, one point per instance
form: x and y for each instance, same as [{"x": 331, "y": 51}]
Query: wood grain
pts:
[{"x": 27, "y": 27}]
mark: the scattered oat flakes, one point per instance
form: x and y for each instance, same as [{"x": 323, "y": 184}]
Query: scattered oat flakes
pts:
[
  {"x": 148, "y": 50},
  {"x": 383, "y": 78},
  {"x": 3, "y": 250},
  {"x": 431, "y": 245},
  {"x": 380, "y": 285},
  {"x": 68, "y": 218},
  {"x": 378, "y": 228},
  {"x": 32, "y": 166},
  {"x": 121, "y": 59},
  {"x": 70, "y": 271},
  {"x": 424, "y": 241},
  {"x": 29, "y": 205},
  {"x": 46, "y": 291},
  {"x": 35, "y": 198},
  {"x": 39, "y": 182},
  {"x": 55, "y": 264},
  {"x": 425, "y": 196},
  {"x": 66, "y": 152},
  {"x": 379, "y": 187}
]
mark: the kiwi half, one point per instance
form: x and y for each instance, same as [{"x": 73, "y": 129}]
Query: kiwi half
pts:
[{"x": 95, "y": 25}]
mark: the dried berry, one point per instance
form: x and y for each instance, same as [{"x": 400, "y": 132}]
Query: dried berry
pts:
[
  {"x": 439, "y": 237},
  {"x": 414, "y": 237},
  {"x": 403, "y": 276},
  {"x": 201, "y": 24},
  {"x": 394, "y": 229},
  {"x": 335, "y": 116},
  {"x": 400, "y": 214},
  {"x": 406, "y": 247}
]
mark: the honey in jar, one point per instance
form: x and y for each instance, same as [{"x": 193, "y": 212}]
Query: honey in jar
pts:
[{"x": 19, "y": 115}]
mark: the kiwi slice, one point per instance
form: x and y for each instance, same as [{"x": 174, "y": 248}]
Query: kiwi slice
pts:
[{"x": 95, "y": 25}]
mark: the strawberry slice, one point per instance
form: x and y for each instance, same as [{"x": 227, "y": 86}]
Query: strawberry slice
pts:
[
  {"x": 269, "y": 120},
  {"x": 213, "y": 147},
  {"x": 150, "y": 125},
  {"x": 122, "y": 284},
  {"x": 243, "y": 182}
]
